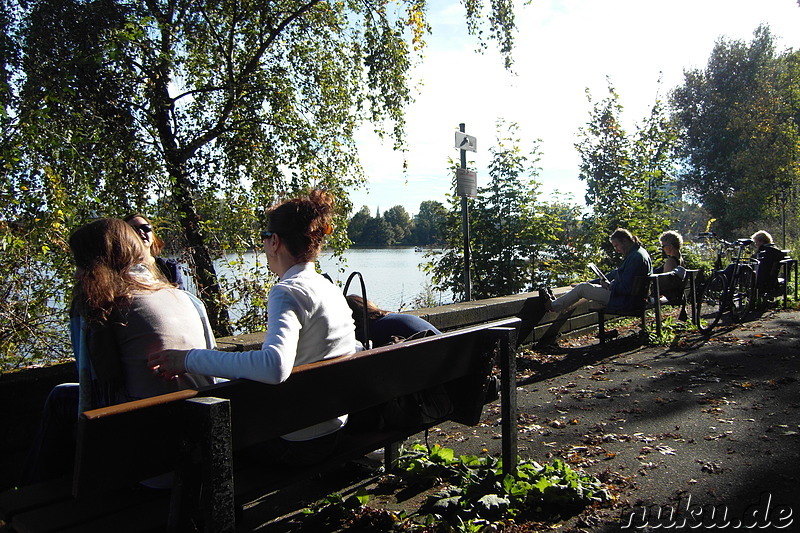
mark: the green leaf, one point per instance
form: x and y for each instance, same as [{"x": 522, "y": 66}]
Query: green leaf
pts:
[{"x": 492, "y": 503}]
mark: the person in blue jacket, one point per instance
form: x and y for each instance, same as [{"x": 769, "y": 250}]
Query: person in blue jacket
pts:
[
  {"x": 617, "y": 292},
  {"x": 384, "y": 326}
]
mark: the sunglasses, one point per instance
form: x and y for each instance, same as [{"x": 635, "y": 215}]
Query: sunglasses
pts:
[
  {"x": 144, "y": 228},
  {"x": 266, "y": 234}
]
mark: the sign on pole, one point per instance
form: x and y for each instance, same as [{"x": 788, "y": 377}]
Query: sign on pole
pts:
[
  {"x": 466, "y": 183},
  {"x": 466, "y": 142}
]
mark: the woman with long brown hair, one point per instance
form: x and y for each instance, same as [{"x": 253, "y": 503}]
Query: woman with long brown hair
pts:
[
  {"x": 308, "y": 320},
  {"x": 122, "y": 311}
]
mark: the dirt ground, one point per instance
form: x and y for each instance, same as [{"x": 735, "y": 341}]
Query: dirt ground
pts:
[{"x": 700, "y": 435}]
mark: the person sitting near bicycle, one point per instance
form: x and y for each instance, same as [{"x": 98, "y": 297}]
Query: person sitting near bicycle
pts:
[
  {"x": 671, "y": 286},
  {"x": 617, "y": 292},
  {"x": 768, "y": 256}
]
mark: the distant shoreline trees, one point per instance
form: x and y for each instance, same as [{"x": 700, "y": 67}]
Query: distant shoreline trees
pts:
[{"x": 397, "y": 228}]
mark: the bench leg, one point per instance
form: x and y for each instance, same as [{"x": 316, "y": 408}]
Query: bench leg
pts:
[
  {"x": 601, "y": 326},
  {"x": 507, "y": 338},
  {"x": 203, "y": 487},
  {"x": 508, "y": 399},
  {"x": 391, "y": 455},
  {"x": 658, "y": 318}
]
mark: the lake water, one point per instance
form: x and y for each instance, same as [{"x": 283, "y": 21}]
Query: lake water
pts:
[{"x": 392, "y": 275}]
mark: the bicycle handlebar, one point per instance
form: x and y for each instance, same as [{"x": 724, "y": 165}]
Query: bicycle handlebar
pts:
[{"x": 740, "y": 243}]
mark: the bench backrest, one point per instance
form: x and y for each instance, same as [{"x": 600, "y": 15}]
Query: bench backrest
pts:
[
  {"x": 685, "y": 295},
  {"x": 130, "y": 442},
  {"x": 640, "y": 290}
]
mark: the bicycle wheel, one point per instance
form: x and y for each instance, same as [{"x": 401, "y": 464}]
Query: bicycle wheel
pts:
[
  {"x": 743, "y": 293},
  {"x": 710, "y": 304}
]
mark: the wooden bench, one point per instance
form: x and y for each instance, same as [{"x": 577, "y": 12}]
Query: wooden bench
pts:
[
  {"x": 783, "y": 271},
  {"x": 204, "y": 435},
  {"x": 648, "y": 289}
]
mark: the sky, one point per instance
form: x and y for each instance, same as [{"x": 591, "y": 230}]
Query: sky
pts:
[{"x": 563, "y": 48}]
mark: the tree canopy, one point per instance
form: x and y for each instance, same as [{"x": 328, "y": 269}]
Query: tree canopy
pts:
[
  {"x": 202, "y": 113},
  {"x": 739, "y": 120}
]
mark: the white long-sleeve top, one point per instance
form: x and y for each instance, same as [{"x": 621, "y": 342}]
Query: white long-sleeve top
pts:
[{"x": 308, "y": 320}]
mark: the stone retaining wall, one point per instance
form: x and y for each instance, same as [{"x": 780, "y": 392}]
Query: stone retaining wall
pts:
[{"x": 459, "y": 315}]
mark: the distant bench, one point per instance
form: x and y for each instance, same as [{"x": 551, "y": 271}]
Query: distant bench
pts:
[
  {"x": 203, "y": 435},
  {"x": 648, "y": 290}
]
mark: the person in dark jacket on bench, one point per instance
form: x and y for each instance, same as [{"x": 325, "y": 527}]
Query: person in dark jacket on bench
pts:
[
  {"x": 617, "y": 291},
  {"x": 768, "y": 256}
]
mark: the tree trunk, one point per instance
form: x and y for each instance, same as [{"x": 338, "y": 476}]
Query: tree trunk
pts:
[
  {"x": 208, "y": 288},
  {"x": 175, "y": 158}
]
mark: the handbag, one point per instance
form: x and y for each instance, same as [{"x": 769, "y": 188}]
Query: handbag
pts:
[{"x": 365, "y": 339}]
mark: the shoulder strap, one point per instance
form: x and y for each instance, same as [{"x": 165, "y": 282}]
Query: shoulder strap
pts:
[{"x": 366, "y": 341}]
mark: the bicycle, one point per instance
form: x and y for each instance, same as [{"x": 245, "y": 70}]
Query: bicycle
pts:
[{"x": 730, "y": 289}]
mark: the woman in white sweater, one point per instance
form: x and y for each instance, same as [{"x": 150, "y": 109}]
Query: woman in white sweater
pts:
[{"x": 308, "y": 320}]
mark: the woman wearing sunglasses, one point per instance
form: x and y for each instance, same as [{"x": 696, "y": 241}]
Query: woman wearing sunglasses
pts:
[
  {"x": 308, "y": 320},
  {"x": 168, "y": 267}
]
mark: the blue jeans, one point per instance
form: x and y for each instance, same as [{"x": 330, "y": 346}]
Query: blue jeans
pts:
[{"x": 53, "y": 450}]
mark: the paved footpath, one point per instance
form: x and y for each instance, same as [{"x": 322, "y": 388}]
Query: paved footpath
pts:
[
  {"x": 708, "y": 430},
  {"x": 704, "y": 435}
]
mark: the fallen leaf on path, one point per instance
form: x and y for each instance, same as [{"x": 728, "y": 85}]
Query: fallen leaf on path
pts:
[
  {"x": 665, "y": 450},
  {"x": 717, "y": 437},
  {"x": 711, "y": 468}
]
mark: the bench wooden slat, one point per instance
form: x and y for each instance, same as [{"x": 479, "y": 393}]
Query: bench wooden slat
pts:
[{"x": 136, "y": 405}]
